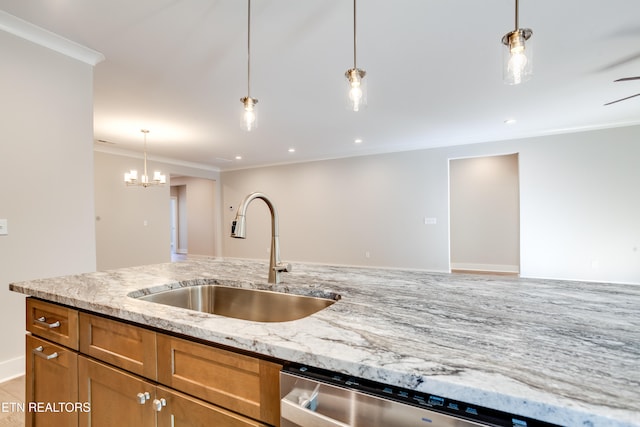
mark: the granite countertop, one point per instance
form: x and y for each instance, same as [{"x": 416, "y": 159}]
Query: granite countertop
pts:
[{"x": 562, "y": 352}]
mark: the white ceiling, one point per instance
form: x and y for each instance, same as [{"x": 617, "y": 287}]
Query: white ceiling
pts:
[{"x": 178, "y": 68}]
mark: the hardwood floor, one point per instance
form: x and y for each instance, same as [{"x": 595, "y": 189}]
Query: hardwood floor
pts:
[{"x": 12, "y": 393}]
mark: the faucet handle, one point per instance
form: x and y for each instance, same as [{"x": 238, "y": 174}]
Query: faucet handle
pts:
[{"x": 282, "y": 267}]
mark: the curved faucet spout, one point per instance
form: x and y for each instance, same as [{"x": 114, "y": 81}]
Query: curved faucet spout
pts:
[{"x": 239, "y": 231}]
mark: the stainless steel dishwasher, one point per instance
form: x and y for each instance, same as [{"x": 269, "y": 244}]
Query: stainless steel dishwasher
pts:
[{"x": 312, "y": 397}]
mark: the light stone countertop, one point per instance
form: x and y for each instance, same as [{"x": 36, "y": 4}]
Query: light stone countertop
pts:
[{"x": 558, "y": 351}]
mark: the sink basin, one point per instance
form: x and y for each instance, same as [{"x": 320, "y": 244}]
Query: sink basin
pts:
[{"x": 240, "y": 303}]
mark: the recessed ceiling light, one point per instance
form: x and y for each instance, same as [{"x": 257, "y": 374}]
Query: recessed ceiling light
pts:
[
  {"x": 292, "y": 150},
  {"x": 358, "y": 141},
  {"x": 509, "y": 121},
  {"x": 238, "y": 157}
]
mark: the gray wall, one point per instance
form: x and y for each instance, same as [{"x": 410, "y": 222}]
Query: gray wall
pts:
[
  {"x": 132, "y": 223},
  {"x": 122, "y": 238},
  {"x": 484, "y": 213},
  {"x": 579, "y": 210},
  {"x": 46, "y": 178}
]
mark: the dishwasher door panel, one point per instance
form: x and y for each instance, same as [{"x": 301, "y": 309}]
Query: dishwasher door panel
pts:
[{"x": 308, "y": 403}]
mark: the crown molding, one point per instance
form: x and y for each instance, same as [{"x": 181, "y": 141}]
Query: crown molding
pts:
[
  {"x": 28, "y": 31},
  {"x": 167, "y": 160}
]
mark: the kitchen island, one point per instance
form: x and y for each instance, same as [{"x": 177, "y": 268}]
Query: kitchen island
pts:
[{"x": 562, "y": 352}]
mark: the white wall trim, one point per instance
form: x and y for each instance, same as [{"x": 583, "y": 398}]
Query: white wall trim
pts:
[
  {"x": 101, "y": 148},
  {"x": 28, "y": 31},
  {"x": 12, "y": 368},
  {"x": 498, "y": 268}
]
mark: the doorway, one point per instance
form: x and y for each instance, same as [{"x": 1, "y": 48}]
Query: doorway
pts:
[
  {"x": 174, "y": 224},
  {"x": 484, "y": 209},
  {"x": 197, "y": 215}
]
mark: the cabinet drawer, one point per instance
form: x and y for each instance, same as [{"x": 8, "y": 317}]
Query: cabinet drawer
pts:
[
  {"x": 237, "y": 382},
  {"x": 53, "y": 322},
  {"x": 52, "y": 373},
  {"x": 125, "y": 346}
]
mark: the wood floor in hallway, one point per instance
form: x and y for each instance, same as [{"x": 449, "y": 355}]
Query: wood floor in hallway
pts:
[{"x": 12, "y": 394}]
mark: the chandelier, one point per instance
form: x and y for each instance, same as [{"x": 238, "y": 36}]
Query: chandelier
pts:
[{"x": 131, "y": 177}]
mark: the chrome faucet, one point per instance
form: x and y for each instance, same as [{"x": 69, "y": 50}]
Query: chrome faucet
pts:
[{"x": 238, "y": 231}]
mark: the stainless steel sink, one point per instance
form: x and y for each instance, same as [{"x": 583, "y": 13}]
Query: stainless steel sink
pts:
[{"x": 240, "y": 303}]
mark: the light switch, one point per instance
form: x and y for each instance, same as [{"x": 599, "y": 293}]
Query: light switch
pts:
[{"x": 4, "y": 227}]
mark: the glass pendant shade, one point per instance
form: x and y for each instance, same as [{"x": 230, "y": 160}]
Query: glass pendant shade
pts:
[
  {"x": 357, "y": 88},
  {"x": 159, "y": 177},
  {"x": 131, "y": 176},
  {"x": 249, "y": 116},
  {"x": 517, "y": 56}
]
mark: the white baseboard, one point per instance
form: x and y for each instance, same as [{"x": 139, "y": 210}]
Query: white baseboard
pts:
[
  {"x": 12, "y": 368},
  {"x": 498, "y": 268}
]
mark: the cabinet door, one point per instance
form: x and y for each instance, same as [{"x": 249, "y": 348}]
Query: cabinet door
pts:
[
  {"x": 51, "y": 379},
  {"x": 120, "y": 344},
  {"x": 116, "y": 398},
  {"x": 185, "y": 411},
  {"x": 241, "y": 383}
]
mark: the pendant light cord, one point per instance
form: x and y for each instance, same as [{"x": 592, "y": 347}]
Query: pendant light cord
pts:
[
  {"x": 249, "y": 48},
  {"x": 354, "y": 34},
  {"x": 145, "y": 132},
  {"x": 517, "y": 13}
]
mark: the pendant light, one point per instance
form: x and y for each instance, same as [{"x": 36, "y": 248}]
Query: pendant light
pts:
[
  {"x": 355, "y": 76},
  {"x": 131, "y": 177},
  {"x": 249, "y": 118},
  {"x": 517, "y": 60}
]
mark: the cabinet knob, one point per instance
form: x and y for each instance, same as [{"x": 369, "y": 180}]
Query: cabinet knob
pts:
[
  {"x": 143, "y": 397},
  {"x": 159, "y": 403}
]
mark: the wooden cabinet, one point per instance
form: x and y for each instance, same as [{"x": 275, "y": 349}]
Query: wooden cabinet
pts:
[
  {"x": 116, "y": 397},
  {"x": 241, "y": 383},
  {"x": 53, "y": 322},
  {"x": 126, "y": 346},
  {"x": 185, "y": 411},
  {"x": 125, "y": 374},
  {"x": 52, "y": 377}
]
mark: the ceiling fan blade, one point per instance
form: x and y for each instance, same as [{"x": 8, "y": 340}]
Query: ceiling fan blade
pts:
[
  {"x": 624, "y": 79},
  {"x": 622, "y": 99}
]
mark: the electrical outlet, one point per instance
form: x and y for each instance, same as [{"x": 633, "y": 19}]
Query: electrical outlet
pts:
[
  {"x": 430, "y": 221},
  {"x": 4, "y": 227}
]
